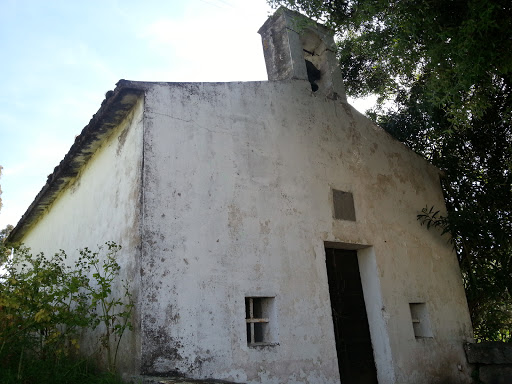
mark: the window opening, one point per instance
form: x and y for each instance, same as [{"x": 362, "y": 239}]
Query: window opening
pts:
[
  {"x": 420, "y": 320},
  {"x": 313, "y": 75},
  {"x": 257, "y": 316}
]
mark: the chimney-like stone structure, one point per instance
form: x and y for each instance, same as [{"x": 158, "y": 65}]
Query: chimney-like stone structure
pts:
[{"x": 296, "y": 47}]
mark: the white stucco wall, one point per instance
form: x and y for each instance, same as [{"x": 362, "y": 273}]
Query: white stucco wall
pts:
[
  {"x": 237, "y": 202},
  {"x": 103, "y": 203}
]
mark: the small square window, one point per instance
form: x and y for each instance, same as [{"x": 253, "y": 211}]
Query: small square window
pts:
[
  {"x": 420, "y": 320},
  {"x": 343, "y": 205},
  {"x": 258, "y": 315}
]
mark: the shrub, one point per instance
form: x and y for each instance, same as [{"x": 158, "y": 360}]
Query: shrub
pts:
[{"x": 46, "y": 303}]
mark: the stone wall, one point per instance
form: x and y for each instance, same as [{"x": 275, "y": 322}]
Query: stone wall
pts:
[{"x": 493, "y": 361}]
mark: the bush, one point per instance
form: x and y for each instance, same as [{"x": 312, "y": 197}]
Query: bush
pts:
[{"x": 45, "y": 305}]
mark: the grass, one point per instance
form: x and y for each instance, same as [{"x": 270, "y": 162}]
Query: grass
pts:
[{"x": 69, "y": 371}]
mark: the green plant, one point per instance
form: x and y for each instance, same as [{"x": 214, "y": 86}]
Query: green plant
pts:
[
  {"x": 111, "y": 311},
  {"x": 66, "y": 371},
  {"x": 42, "y": 308},
  {"x": 45, "y": 304},
  {"x": 486, "y": 277},
  {"x": 5, "y": 251}
]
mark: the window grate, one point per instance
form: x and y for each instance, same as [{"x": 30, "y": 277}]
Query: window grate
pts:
[{"x": 257, "y": 310}]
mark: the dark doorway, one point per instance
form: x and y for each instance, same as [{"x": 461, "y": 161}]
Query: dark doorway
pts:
[{"x": 353, "y": 343}]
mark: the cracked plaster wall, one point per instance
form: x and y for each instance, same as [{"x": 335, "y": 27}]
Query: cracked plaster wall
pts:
[{"x": 237, "y": 202}]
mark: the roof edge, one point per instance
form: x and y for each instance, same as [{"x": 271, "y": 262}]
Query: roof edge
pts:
[{"x": 114, "y": 108}]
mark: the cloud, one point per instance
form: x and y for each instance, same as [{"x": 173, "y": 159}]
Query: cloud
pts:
[{"x": 216, "y": 43}]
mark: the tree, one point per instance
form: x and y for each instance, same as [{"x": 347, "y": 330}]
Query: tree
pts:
[
  {"x": 445, "y": 70},
  {"x": 461, "y": 48},
  {"x": 4, "y": 249}
]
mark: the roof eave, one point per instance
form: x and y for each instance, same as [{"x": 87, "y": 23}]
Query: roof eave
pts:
[{"x": 113, "y": 110}]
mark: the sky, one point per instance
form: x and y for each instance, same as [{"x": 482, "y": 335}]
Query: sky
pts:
[{"x": 60, "y": 57}]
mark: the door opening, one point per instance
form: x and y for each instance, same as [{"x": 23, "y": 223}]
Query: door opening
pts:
[{"x": 351, "y": 330}]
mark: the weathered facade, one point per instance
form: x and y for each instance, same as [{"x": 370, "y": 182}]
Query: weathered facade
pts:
[{"x": 269, "y": 230}]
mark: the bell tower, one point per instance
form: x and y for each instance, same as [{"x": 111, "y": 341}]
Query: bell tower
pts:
[{"x": 296, "y": 47}]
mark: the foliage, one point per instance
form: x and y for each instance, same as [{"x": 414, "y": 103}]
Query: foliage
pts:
[
  {"x": 109, "y": 311},
  {"x": 46, "y": 304},
  {"x": 5, "y": 251},
  {"x": 476, "y": 161},
  {"x": 445, "y": 70},
  {"x": 486, "y": 274},
  {"x": 461, "y": 48},
  {"x": 42, "y": 307},
  {"x": 65, "y": 371}
]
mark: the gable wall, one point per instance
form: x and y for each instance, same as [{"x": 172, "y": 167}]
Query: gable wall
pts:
[
  {"x": 102, "y": 204},
  {"x": 238, "y": 202}
]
